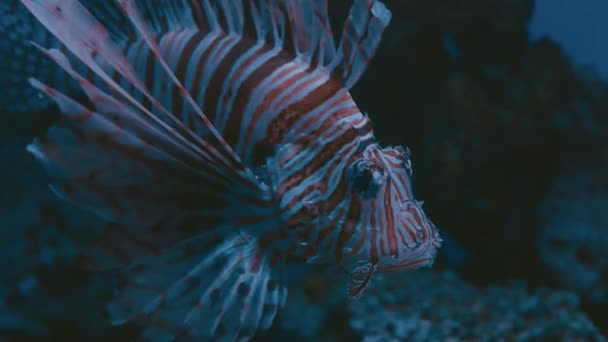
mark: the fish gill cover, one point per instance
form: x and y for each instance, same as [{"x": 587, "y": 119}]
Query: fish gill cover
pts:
[{"x": 496, "y": 125}]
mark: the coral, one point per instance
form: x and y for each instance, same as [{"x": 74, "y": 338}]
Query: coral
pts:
[{"x": 432, "y": 306}]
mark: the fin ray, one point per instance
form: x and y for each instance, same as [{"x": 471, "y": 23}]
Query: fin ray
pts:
[
  {"x": 135, "y": 16},
  {"x": 231, "y": 292},
  {"x": 112, "y": 169},
  {"x": 360, "y": 39},
  {"x": 67, "y": 19}
]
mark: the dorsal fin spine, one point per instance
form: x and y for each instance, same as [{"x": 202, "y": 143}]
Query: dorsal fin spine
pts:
[
  {"x": 361, "y": 37},
  {"x": 133, "y": 13},
  {"x": 305, "y": 24}
]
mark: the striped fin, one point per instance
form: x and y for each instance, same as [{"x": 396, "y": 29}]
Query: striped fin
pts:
[
  {"x": 88, "y": 39},
  {"x": 147, "y": 34},
  {"x": 124, "y": 165},
  {"x": 361, "y": 37},
  {"x": 300, "y": 26},
  {"x": 162, "y": 16},
  {"x": 182, "y": 279},
  {"x": 104, "y": 162},
  {"x": 228, "y": 294}
]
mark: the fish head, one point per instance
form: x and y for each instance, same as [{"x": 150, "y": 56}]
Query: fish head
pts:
[{"x": 398, "y": 234}]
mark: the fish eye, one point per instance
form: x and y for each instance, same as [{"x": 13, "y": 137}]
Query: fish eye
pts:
[{"x": 365, "y": 178}]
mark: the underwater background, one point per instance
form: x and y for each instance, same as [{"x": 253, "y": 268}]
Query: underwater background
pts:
[{"x": 505, "y": 109}]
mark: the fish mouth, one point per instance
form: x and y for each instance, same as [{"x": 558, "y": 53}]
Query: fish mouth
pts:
[
  {"x": 423, "y": 256},
  {"x": 407, "y": 266}
]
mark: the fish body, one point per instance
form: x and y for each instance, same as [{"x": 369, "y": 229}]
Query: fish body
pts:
[{"x": 221, "y": 137}]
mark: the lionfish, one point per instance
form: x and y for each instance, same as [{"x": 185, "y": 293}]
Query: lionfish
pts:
[{"x": 220, "y": 140}]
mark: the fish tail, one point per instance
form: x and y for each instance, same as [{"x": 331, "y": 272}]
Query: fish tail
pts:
[{"x": 20, "y": 60}]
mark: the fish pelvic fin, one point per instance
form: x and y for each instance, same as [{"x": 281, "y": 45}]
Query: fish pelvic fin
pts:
[
  {"x": 359, "y": 279},
  {"x": 226, "y": 292}
]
